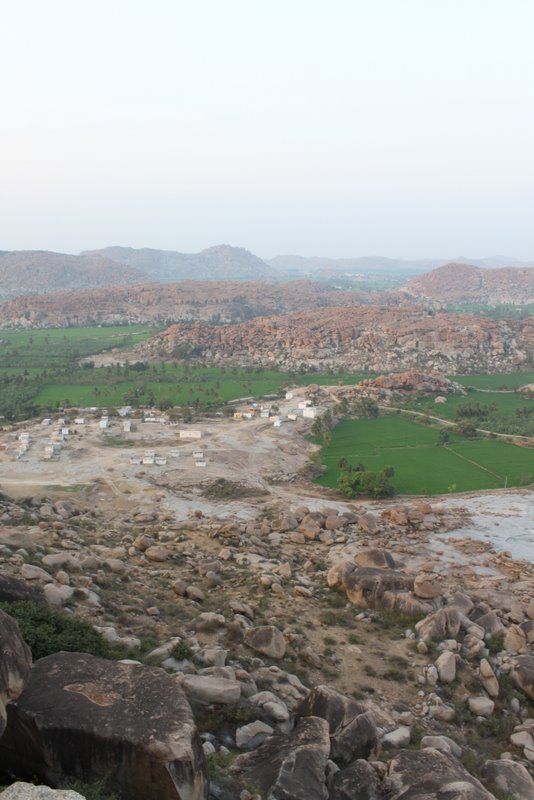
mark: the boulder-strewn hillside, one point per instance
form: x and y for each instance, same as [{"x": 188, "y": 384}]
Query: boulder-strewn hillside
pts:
[
  {"x": 464, "y": 283},
  {"x": 212, "y": 301},
  {"x": 362, "y": 338},
  {"x": 215, "y": 263},
  {"x": 37, "y": 272}
]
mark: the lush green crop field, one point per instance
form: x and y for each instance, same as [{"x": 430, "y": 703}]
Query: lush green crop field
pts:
[
  {"x": 177, "y": 385},
  {"x": 45, "y": 349},
  {"x": 511, "y": 380},
  {"x": 421, "y": 465}
]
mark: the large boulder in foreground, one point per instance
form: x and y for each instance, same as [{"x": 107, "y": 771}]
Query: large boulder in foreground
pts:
[
  {"x": 15, "y": 664},
  {"x": 126, "y": 724},
  {"x": 352, "y": 729},
  {"x": 290, "y": 767},
  {"x": 430, "y": 774},
  {"x": 509, "y": 778}
]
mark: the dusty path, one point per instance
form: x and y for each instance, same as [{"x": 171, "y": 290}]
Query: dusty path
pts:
[{"x": 450, "y": 423}]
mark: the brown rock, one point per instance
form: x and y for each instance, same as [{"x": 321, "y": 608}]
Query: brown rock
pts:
[
  {"x": 428, "y": 585},
  {"x": 15, "y": 663},
  {"x": 128, "y": 725},
  {"x": 266, "y": 639}
]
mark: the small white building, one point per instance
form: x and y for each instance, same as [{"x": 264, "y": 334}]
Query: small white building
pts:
[
  {"x": 292, "y": 416},
  {"x": 46, "y": 421},
  {"x": 79, "y": 421},
  {"x": 289, "y": 395},
  {"x": 187, "y": 434},
  {"x": 309, "y": 413},
  {"x": 304, "y": 404},
  {"x": 198, "y": 454},
  {"x": 264, "y": 413},
  {"x": 135, "y": 460},
  {"x": 104, "y": 423},
  {"x": 160, "y": 461},
  {"x": 200, "y": 463},
  {"x": 149, "y": 460},
  {"x": 127, "y": 426},
  {"x": 174, "y": 453}
]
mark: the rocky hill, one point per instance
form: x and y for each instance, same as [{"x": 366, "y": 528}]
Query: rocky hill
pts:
[
  {"x": 464, "y": 283},
  {"x": 212, "y": 301},
  {"x": 34, "y": 272},
  {"x": 222, "y": 262},
  {"x": 359, "y": 338}
]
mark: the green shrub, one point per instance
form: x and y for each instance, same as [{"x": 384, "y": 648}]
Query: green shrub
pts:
[{"x": 47, "y": 631}]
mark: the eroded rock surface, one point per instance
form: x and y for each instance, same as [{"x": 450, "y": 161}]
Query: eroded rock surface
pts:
[{"x": 129, "y": 725}]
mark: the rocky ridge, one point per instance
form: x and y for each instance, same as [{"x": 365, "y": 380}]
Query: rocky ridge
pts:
[
  {"x": 213, "y": 301},
  {"x": 464, "y": 283},
  {"x": 361, "y": 338}
]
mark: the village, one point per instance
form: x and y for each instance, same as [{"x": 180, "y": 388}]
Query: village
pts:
[{"x": 133, "y": 449}]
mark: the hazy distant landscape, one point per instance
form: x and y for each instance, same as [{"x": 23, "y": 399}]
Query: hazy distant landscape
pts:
[{"x": 267, "y": 401}]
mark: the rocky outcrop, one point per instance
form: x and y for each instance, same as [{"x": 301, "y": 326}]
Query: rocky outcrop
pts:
[
  {"x": 373, "y": 587},
  {"x": 508, "y": 777},
  {"x": 290, "y": 767},
  {"x": 126, "y": 724},
  {"x": 362, "y": 338},
  {"x": 465, "y": 283},
  {"x": 353, "y": 733},
  {"x": 15, "y": 664},
  {"x": 359, "y": 780},
  {"x": 430, "y": 774}
]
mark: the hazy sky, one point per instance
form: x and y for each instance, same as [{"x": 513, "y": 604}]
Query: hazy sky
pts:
[{"x": 341, "y": 128}]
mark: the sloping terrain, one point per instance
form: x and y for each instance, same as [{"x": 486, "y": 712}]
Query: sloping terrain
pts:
[
  {"x": 222, "y": 262},
  {"x": 464, "y": 283},
  {"x": 40, "y": 271}
]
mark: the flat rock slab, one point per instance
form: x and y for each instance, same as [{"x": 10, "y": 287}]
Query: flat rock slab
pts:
[{"x": 126, "y": 724}]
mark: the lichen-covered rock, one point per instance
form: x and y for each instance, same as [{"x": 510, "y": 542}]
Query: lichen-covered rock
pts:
[
  {"x": 352, "y": 729},
  {"x": 359, "y": 780},
  {"x": 266, "y": 639},
  {"x": 127, "y": 724},
  {"x": 431, "y": 775},
  {"x": 15, "y": 663},
  {"x": 290, "y": 767},
  {"x": 374, "y": 557},
  {"x": 522, "y": 674},
  {"x": 510, "y": 778}
]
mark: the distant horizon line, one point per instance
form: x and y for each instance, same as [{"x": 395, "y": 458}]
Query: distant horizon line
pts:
[{"x": 446, "y": 259}]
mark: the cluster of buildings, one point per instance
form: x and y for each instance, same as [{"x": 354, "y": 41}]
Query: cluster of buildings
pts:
[{"x": 304, "y": 408}]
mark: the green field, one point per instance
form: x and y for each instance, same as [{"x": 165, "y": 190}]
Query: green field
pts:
[
  {"x": 510, "y": 380},
  {"x": 421, "y": 466},
  {"x": 174, "y": 385}
]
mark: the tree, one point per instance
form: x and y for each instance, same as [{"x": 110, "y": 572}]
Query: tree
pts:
[{"x": 353, "y": 481}]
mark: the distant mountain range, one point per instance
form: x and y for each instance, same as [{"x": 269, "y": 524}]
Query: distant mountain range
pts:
[{"x": 39, "y": 272}]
